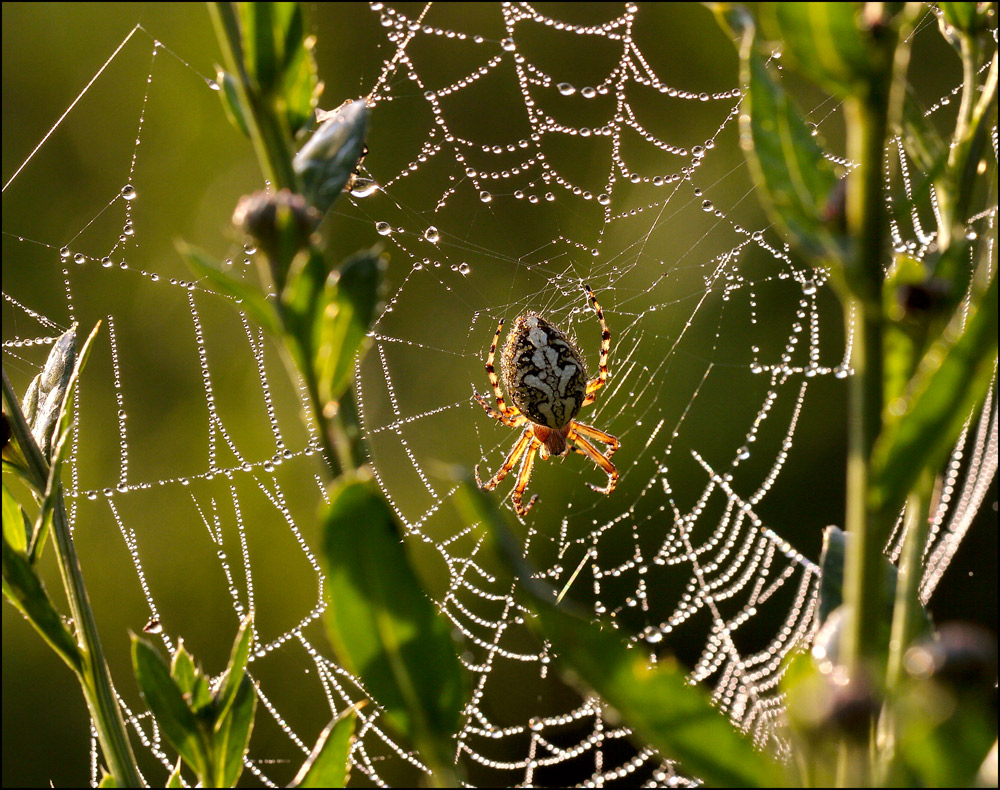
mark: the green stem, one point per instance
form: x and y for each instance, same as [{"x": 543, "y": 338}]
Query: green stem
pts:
[
  {"x": 867, "y": 122},
  {"x": 94, "y": 676}
]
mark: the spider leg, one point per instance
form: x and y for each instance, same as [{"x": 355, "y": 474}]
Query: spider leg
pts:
[
  {"x": 596, "y": 383},
  {"x": 507, "y": 411},
  {"x": 522, "y": 480},
  {"x": 591, "y": 452},
  {"x": 512, "y": 421},
  {"x": 512, "y": 456},
  {"x": 591, "y": 432}
]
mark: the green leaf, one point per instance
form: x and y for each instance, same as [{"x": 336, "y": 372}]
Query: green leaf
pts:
[
  {"x": 174, "y": 780},
  {"x": 166, "y": 702},
  {"x": 24, "y": 589},
  {"x": 232, "y": 735},
  {"x": 51, "y": 391},
  {"x": 230, "y": 97},
  {"x": 828, "y": 42},
  {"x": 351, "y": 299},
  {"x": 190, "y": 680},
  {"x": 796, "y": 181},
  {"x": 658, "y": 702},
  {"x": 328, "y": 159},
  {"x": 261, "y": 37},
  {"x": 329, "y": 763},
  {"x": 235, "y": 670},
  {"x": 107, "y": 780},
  {"x": 965, "y": 16},
  {"x": 301, "y": 87},
  {"x": 248, "y": 298},
  {"x": 904, "y": 336},
  {"x": 15, "y": 529},
  {"x": 921, "y": 427},
  {"x": 300, "y": 300},
  {"x": 382, "y": 625}
]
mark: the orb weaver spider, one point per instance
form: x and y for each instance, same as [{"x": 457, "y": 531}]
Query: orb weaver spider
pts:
[{"x": 546, "y": 379}]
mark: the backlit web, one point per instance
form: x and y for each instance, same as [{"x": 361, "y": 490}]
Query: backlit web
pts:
[{"x": 516, "y": 155}]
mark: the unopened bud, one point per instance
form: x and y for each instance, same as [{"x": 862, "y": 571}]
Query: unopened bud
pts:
[{"x": 281, "y": 224}]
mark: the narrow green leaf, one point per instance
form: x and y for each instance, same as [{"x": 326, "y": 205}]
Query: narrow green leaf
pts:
[
  {"x": 107, "y": 780},
  {"x": 166, "y": 702},
  {"x": 235, "y": 670},
  {"x": 232, "y": 737},
  {"x": 351, "y": 299},
  {"x": 921, "y": 428},
  {"x": 174, "y": 780},
  {"x": 796, "y": 180},
  {"x": 14, "y": 529},
  {"x": 382, "y": 625},
  {"x": 230, "y": 97},
  {"x": 260, "y": 42},
  {"x": 328, "y": 159},
  {"x": 53, "y": 385},
  {"x": 659, "y": 703},
  {"x": 826, "y": 41},
  {"x": 301, "y": 87},
  {"x": 965, "y": 16},
  {"x": 248, "y": 298},
  {"x": 329, "y": 763},
  {"x": 24, "y": 589}
]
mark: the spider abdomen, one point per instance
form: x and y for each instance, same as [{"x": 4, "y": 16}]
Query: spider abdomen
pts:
[{"x": 543, "y": 372}]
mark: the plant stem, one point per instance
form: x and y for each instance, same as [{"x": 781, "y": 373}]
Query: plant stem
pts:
[
  {"x": 94, "y": 676},
  {"x": 867, "y": 122}
]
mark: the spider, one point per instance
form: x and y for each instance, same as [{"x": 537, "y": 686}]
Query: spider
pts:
[{"x": 545, "y": 377}]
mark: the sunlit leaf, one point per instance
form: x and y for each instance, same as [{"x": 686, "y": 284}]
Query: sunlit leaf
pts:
[
  {"x": 382, "y": 625},
  {"x": 235, "y": 670},
  {"x": 232, "y": 734},
  {"x": 165, "y": 701},
  {"x": 329, "y": 762},
  {"x": 328, "y": 159}
]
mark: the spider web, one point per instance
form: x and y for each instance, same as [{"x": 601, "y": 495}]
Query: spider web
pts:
[{"x": 516, "y": 155}]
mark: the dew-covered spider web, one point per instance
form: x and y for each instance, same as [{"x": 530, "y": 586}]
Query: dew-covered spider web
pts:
[{"x": 517, "y": 153}]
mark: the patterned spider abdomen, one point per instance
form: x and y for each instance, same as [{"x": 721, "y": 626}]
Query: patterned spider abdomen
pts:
[{"x": 543, "y": 372}]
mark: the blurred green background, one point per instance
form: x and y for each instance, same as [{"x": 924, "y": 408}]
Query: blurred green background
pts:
[{"x": 191, "y": 167}]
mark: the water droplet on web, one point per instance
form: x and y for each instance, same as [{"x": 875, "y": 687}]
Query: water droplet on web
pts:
[
  {"x": 588, "y": 93},
  {"x": 128, "y": 229},
  {"x": 464, "y": 268},
  {"x": 808, "y": 287},
  {"x": 154, "y": 626},
  {"x": 707, "y": 206},
  {"x": 565, "y": 89},
  {"x": 106, "y": 262},
  {"x": 363, "y": 187},
  {"x": 92, "y": 495},
  {"x": 213, "y": 85},
  {"x": 128, "y": 192},
  {"x": 64, "y": 253},
  {"x": 432, "y": 235},
  {"x": 383, "y": 228},
  {"x": 758, "y": 236},
  {"x": 79, "y": 259},
  {"x": 840, "y": 372},
  {"x": 535, "y": 724},
  {"x": 604, "y": 199},
  {"x": 249, "y": 248},
  {"x": 485, "y": 196},
  {"x": 698, "y": 152}
]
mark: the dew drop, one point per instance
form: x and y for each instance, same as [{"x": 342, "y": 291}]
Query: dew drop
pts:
[
  {"x": 106, "y": 262},
  {"x": 64, "y": 252},
  {"x": 604, "y": 199},
  {"x": 79, "y": 259},
  {"x": 808, "y": 287},
  {"x": 707, "y": 206},
  {"x": 383, "y": 228},
  {"x": 565, "y": 89},
  {"x": 154, "y": 626},
  {"x": 507, "y": 45},
  {"x": 485, "y": 196},
  {"x": 535, "y": 724},
  {"x": 464, "y": 268},
  {"x": 588, "y": 93},
  {"x": 432, "y": 235},
  {"x": 213, "y": 85},
  {"x": 363, "y": 187},
  {"x": 128, "y": 192}
]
